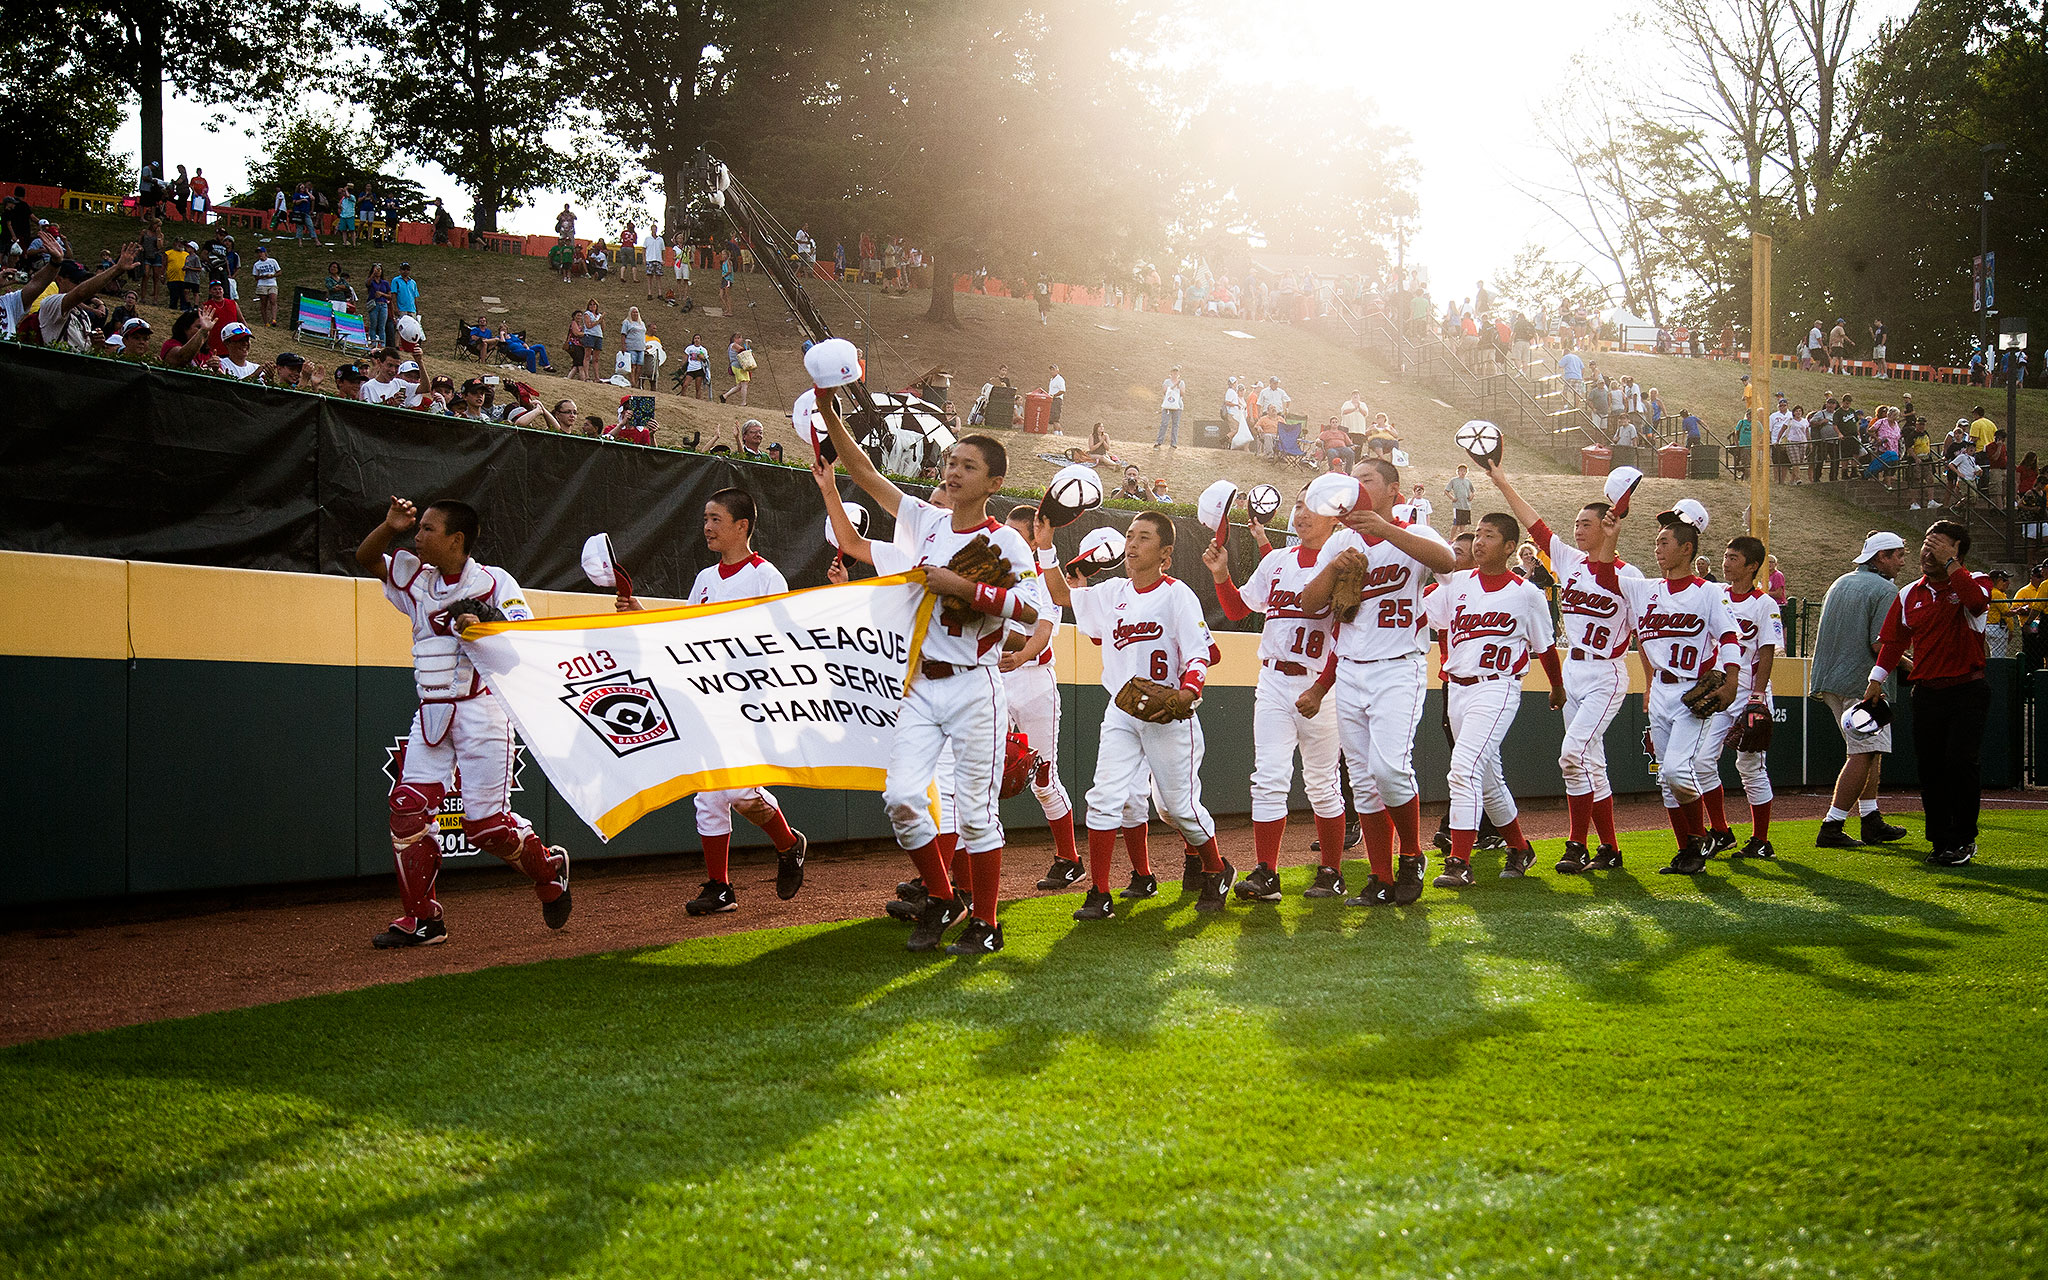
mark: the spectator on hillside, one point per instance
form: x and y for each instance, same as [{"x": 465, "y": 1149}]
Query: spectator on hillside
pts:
[
  {"x": 1600, "y": 403},
  {"x": 1774, "y": 580},
  {"x": 579, "y": 350},
  {"x": 739, "y": 357},
  {"x": 562, "y": 258},
  {"x": 1886, "y": 435},
  {"x": 697, "y": 368},
  {"x": 405, "y": 292},
  {"x": 598, "y": 262},
  {"x": 1354, "y": 416},
  {"x": 565, "y": 224},
  {"x": 1159, "y": 494},
  {"x": 1381, "y": 439},
  {"x": 1098, "y": 450},
  {"x": 130, "y": 341},
  {"x": 633, "y": 341},
  {"x": 533, "y": 353},
  {"x": 655, "y": 252},
  {"x": 1172, "y": 399},
  {"x": 233, "y": 356},
  {"x": 377, "y": 323},
  {"x": 1738, "y": 454},
  {"x": 266, "y": 270},
  {"x": 1839, "y": 346},
  {"x": 291, "y": 371},
  {"x": 336, "y": 286},
  {"x": 1573, "y": 370},
  {"x": 1274, "y": 398},
  {"x": 62, "y": 318},
  {"x": 1420, "y": 505},
  {"x": 186, "y": 347},
  {"x": 1338, "y": 453},
  {"x": 444, "y": 224},
  {"x": 227, "y": 314},
  {"x": 1134, "y": 486},
  {"x": 1459, "y": 489},
  {"x": 1056, "y": 388},
  {"x": 726, "y": 265},
  {"x": 345, "y": 214},
  {"x": 1703, "y": 569},
  {"x": 561, "y": 416},
  {"x": 1691, "y": 422},
  {"x": 1824, "y": 445}
]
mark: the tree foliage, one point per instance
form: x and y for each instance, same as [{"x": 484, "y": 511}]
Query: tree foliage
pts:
[
  {"x": 57, "y": 123},
  {"x": 326, "y": 153}
]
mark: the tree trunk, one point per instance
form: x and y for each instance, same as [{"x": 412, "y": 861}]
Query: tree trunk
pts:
[
  {"x": 941, "y": 311},
  {"x": 149, "y": 88}
]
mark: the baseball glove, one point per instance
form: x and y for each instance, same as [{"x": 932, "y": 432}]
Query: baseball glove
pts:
[
  {"x": 1348, "y": 586},
  {"x": 1753, "y": 728},
  {"x": 978, "y": 561},
  {"x": 1152, "y": 702},
  {"x": 484, "y": 610},
  {"x": 1703, "y": 699}
]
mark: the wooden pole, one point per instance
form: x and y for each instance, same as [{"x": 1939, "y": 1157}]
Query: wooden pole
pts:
[{"x": 1760, "y": 384}]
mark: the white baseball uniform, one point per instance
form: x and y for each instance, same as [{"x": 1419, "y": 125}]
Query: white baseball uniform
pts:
[
  {"x": 1492, "y": 626},
  {"x": 1381, "y": 670},
  {"x": 1158, "y": 633},
  {"x": 1683, "y": 628},
  {"x": 956, "y": 694},
  {"x": 1757, "y": 624},
  {"x": 717, "y": 584},
  {"x": 1034, "y": 694},
  {"x": 1294, "y": 647},
  {"x": 1596, "y": 636},
  {"x": 892, "y": 559}
]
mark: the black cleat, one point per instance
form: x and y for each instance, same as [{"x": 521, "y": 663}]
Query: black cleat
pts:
[
  {"x": 911, "y": 891},
  {"x": 1575, "y": 859},
  {"x": 715, "y": 896},
  {"x": 1517, "y": 864},
  {"x": 1605, "y": 858},
  {"x": 1875, "y": 830},
  {"x": 1329, "y": 884},
  {"x": 1719, "y": 842},
  {"x": 1216, "y": 889},
  {"x": 1457, "y": 874},
  {"x": 936, "y": 916},
  {"x": 1408, "y": 873},
  {"x": 1261, "y": 884},
  {"x": 556, "y": 914},
  {"x": 898, "y": 909},
  {"x": 1192, "y": 877},
  {"x": 1062, "y": 873},
  {"x": 1097, "y": 906},
  {"x": 979, "y": 938},
  {"x": 1689, "y": 861},
  {"x": 1833, "y": 837},
  {"x": 1490, "y": 843},
  {"x": 1443, "y": 839},
  {"x": 1141, "y": 886},
  {"x": 409, "y": 932},
  {"x": 1375, "y": 893},
  {"x": 789, "y": 867},
  {"x": 1756, "y": 848},
  {"x": 1351, "y": 834},
  {"x": 1952, "y": 857}
]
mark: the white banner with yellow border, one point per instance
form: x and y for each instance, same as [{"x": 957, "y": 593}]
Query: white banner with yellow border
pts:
[{"x": 627, "y": 712}]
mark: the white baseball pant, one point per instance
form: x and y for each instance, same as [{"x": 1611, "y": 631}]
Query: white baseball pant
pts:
[
  {"x": 1278, "y": 731},
  {"x": 1594, "y": 690},
  {"x": 1688, "y": 752},
  {"x": 1480, "y": 717},
  {"x": 1379, "y": 704},
  {"x": 969, "y": 711},
  {"x": 472, "y": 737},
  {"x": 1750, "y": 766},
  {"x": 1034, "y": 694},
  {"x": 714, "y": 808},
  {"x": 1172, "y": 752}
]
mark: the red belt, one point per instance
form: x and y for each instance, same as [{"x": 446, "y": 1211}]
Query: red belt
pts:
[
  {"x": 1472, "y": 679},
  {"x": 1580, "y": 655},
  {"x": 1287, "y": 668},
  {"x": 941, "y": 670}
]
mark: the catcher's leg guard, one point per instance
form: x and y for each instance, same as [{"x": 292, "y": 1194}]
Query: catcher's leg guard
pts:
[
  {"x": 510, "y": 837},
  {"x": 415, "y": 845}
]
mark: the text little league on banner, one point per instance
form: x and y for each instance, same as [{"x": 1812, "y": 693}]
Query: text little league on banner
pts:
[{"x": 627, "y": 712}]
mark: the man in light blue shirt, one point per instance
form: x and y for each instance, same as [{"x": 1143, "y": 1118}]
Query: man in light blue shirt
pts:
[
  {"x": 1851, "y": 617},
  {"x": 1574, "y": 371},
  {"x": 406, "y": 291}
]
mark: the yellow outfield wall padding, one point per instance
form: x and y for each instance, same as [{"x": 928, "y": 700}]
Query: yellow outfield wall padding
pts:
[
  {"x": 240, "y": 615},
  {"x": 63, "y": 606}
]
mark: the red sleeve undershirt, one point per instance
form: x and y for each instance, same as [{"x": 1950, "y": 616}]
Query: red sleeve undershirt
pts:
[
  {"x": 1552, "y": 668},
  {"x": 1234, "y": 607}
]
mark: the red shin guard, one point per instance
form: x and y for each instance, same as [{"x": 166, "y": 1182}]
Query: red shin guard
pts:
[
  {"x": 541, "y": 867},
  {"x": 1266, "y": 834},
  {"x": 1137, "y": 847},
  {"x": 1330, "y": 833},
  {"x": 1101, "y": 852},
  {"x": 717, "y": 858},
  {"x": 419, "y": 865},
  {"x": 931, "y": 864}
]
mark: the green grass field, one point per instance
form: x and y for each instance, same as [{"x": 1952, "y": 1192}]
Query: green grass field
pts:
[{"x": 1831, "y": 1065}]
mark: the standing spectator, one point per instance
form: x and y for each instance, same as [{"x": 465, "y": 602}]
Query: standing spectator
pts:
[
  {"x": 1877, "y": 346},
  {"x": 725, "y": 270},
  {"x": 839, "y": 259},
  {"x": 1691, "y": 422},
  {"x": 1738, "y": 455},
  {"x": 1851, "y": 619},
  {"x": 174, "y": 274},
  {"x": 1890, "y": 443},
  {"x": 152, "y": 249},
  {"x": 1825, "y": 441},
  {"x": 202, "y": 196},
  {"x": 565, "y": 225},
  {"x": 579, "y": 350},
  {"x": 1459, "y": 487},
  {"x": 1173, "y": 397},
  {"x": 1042, "y": 292},
  {"x": 345, "y": 212},
  {"x": 657, "y": 260},
  {"x": 739, "y": 356},
  {"x": 697, "y": 368},
  {"x": 806, "y": 248},
  {"x": 1056, "y": 388},
  {"x": 302, "y": 214},
  {"x": 405, "y": 292},
  {"x": 1781, "y": 447},
  {"x": 633, "y": 341},
  {"x": 1420, "y": 505},
  {"x": 1839, "y": 346},
  {"x": 1573, "y": 370},
  {"x": 1354, "y": 415},
  {"x": 1774, "y": 580},
  {"x": 181, "y": 195},
  {"x": 266, "y": 271},
  {"x": 1998, "y": 616},
  {"x": 444, "y": 223},
  {"x": 378, "y": 324},
  {"x": 227, "y": 313},
  {"x": 1600, "y": 402},
  {"x": 1941, "y": 618},
  {"x": 629, "y": 248}
]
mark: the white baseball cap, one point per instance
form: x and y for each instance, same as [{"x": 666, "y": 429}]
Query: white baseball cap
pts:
[
  {"x": 1332, "y": 494},
  {"x": 410, "y": 366},
  {"x": 1213, "y": 507},
  {"x": 600, "y": 564},
  {"x": 835, "y": 362},
  {"x": 1621, "y": 482},
  {"x": 1880, "y": 542},
  {"x": 1687, "y": 510}
]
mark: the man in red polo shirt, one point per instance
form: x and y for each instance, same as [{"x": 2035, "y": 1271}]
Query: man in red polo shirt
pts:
[{"x": 1941, "y": 616}]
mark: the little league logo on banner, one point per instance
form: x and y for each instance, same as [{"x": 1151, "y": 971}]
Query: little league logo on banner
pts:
[{"x": 627, "y": 712}]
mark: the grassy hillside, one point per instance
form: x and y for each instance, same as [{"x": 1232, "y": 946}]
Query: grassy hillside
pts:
[{"x": 1114, "y": 362}]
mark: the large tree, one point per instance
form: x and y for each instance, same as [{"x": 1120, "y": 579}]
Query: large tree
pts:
[
  {"x": 327, "y": 153},
  {"x": 57, "y": 121},
  {"x": 472, "y": 86}
]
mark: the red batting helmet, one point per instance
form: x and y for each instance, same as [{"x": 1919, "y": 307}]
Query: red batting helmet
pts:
[{"x": 1019, "y": 763}]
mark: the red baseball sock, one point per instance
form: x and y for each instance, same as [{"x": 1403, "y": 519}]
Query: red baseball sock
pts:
[
  {"x": 1212, "y": 857},
  {"x": 1408, "y": 825},
  {"x": 1603, "y": 821},
  {"x": 1581, "y": 810},
  {"x": 1461, "y": 843},
  {"x": 1137, "y": 847},
  {"x": 1266, "y": 835},
  {"x": 778, "y": 830},
  {"x": 717, "y": 858},
  {"x": 986, "y": 872},
  {"x": 949, "y": 848},
  {"x": 1695, "y": 812},
  {"x": 1713, "y": 801},
  {"x": 1101, "y": 851},
  {"x": 1330, "y": 831},
  {"x": 1677, "y": 817},
  {"x": 931, "y": 864},
  {"x": 1512, "y": 833},
  {"x": 1760, "y": 820},
  {"x": 1063, "y": 838},
  {"x": 1377, "y": 829}
]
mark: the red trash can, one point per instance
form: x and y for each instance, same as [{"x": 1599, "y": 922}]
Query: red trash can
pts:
[
  {"x": 1595, "y": 460},
  {"x": 1038, "y": 413},
  {"x": 1672, "y": 462}
]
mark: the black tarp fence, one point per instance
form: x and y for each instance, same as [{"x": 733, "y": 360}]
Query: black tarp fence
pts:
[{"x": 103, "y": 458}]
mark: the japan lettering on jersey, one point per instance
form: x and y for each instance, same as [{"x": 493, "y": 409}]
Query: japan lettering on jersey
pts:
[
  {"x": 1757, "y": 623},
  {"x": 1491, "y": 625},
  {"x": 747, "y": 580},
  {"x": 1157, "y": 633},
  {"x": 1291, "y": 634},
  {"x": 441, "y": 670},
  {"x": 1683, "y": 626},
  {"x": 1589, "y": 601},
  {"x": 1389, "y": 620},
  {"x": 926, "y": 532}
]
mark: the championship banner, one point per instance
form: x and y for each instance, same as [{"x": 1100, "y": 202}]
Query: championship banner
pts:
[{"x": 626, "y": 712}]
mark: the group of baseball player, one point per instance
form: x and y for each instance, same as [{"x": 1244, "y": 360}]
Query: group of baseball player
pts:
[{"x": 1349, "y": 613}]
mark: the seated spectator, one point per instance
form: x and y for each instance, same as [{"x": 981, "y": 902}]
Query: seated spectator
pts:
[
  {"x": 1268, "y": 428},
  {"x": 1098, "y": 450},
  {"x": 1159, "y": 493},
  {"x": 629, "y": 433},
  {"x": 2030, "y": 473},
  {"x": 1336, "y": 453},
  {"x": 464, "y": 407},
  {"x": 534, "y": 354},
  {"x": 1134, "y": 486},
  {"x": 592, "y": 426},
  {"x": 598, "y": 261},
  {"x": 477, "y": 338},
  {"x": 1380, "y": 438},
  {"x": 349, "y": 380}
]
